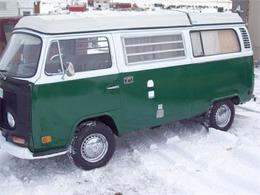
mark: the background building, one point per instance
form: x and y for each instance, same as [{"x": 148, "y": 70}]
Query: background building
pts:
[
  {"x": 8, "y": 8},
  {"x": 26, "y": 7},
  {"x": 101, "y": 4},
  {"x": 226, "y": 4}
]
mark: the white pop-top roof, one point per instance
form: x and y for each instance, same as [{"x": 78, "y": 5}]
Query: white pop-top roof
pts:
[{"x": 102, "y": 21}]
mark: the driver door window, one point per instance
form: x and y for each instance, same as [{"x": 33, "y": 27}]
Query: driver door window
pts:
[{"x": 84, "y": 54}]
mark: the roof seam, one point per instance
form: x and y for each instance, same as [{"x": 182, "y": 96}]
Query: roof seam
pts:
[{"x": 124, "y": 29}]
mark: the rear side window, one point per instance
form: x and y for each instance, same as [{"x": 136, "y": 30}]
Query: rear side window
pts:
[
  {"x": 214, "y": 42},
  {"x": 85, "y": 54},
  {"x": 153, "y": 48}
]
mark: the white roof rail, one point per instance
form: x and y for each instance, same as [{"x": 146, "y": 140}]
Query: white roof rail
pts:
[{"x": 114, "y": 20}]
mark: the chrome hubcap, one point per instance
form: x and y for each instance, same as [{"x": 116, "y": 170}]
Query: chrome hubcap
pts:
[
  {"x": 223, "y": 116},
  {"x": 94, "y": 147}
]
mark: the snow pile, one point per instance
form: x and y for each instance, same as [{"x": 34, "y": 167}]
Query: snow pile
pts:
[{"x": 178, "y": 158}]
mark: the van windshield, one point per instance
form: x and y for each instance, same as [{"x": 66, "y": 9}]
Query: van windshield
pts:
[{"x": 21, "y": 56}]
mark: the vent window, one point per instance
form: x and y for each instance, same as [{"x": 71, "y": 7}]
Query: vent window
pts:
[{"x": 245, "y": 37}]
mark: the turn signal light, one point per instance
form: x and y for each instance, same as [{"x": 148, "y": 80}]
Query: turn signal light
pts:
[
  {"x": 46, "y": 139},
  {"x": 18, "y": 140}
]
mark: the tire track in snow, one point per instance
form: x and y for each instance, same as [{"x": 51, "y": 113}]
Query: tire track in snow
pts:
[
  {"x": 155, "y": 157},
  {"x": 163, "y": 150},
  {"x": 192, "y": 166},
  {"x": 168, "y": 159},
  {"x": 248, "y": 109}
]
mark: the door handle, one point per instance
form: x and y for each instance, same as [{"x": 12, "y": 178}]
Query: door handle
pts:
[{"x": 113, "y": 87}]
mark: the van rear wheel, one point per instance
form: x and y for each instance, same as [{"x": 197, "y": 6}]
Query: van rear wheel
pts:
[
  {"x": 93, "y": 146},
  {"x": 221, "y": 115}
]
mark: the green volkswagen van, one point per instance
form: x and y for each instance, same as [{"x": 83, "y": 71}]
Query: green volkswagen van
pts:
[{"x": 71, "y": 83}]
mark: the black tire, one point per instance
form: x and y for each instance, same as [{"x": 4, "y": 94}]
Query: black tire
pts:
[
  {"x": 92, "y": 128},
  {"x": 227, "y": 104}
]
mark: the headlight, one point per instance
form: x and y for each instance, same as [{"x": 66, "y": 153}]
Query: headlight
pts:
[{"x": 10, "y": 120}]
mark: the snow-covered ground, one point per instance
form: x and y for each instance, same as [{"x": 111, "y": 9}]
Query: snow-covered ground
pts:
[{"x": 180, "y": 158}]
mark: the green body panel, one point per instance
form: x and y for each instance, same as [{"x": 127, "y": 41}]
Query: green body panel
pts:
[
  {"x": 221, "y": 79},
  {"x": 59, "y": 107},
  {"x": 184, "y": 91},
  {"x": 172, "y": 91}
]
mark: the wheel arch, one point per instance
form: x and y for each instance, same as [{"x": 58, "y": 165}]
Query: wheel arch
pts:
[
  {"x": 107, "y": 119},
  {"x": 235, "y": 98}
]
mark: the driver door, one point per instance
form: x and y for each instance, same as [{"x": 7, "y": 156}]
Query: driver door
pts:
[{"x": 62, "y": 101}]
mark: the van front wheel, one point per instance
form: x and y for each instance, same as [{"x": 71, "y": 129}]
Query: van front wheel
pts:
[
  {"x": 221, "y": 115},
  {"x": 93, "y": 146}
]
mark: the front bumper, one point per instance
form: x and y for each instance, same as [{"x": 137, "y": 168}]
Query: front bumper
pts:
[{"x": 22, "y": 152}]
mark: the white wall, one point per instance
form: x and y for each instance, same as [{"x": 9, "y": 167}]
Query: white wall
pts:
[
  {"x": 220, "y": 3},
  {"x": 8, "y": 8},
  {"x": 52, "y": 6},
  {"x": 26, "y": 6}
]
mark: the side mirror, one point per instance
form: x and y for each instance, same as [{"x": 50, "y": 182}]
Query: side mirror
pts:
[{"x": 69, "y": 71}]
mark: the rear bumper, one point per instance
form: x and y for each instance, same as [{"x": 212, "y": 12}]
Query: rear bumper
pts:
[{"x": 22, "y": 152}]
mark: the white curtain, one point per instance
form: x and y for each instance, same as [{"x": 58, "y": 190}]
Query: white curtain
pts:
[
  {"x": 220, "y": 42},
  {"x": 228, "y": 41},
  {"x": 210, "y": 40}
]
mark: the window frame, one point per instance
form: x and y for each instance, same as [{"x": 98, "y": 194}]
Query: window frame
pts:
[
  {"x": 60, "y": 58},
  {"x": 40, "y": 52},
  {"x": 202, "y": 46},
  {"x": 201, "y": 41},
  {"x": 147, "y": 34},
  {"x": 58, "y": 39}
]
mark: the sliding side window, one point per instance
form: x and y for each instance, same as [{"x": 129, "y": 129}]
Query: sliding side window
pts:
[
  {"x": 214, "y": 42},
  {"x": 153, "y": 48}
]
